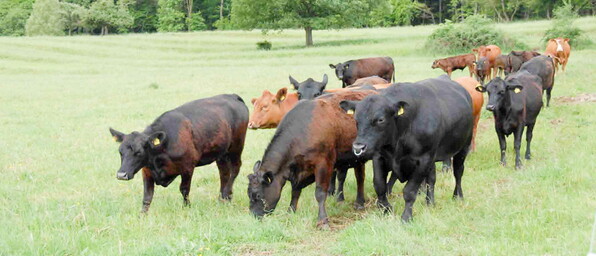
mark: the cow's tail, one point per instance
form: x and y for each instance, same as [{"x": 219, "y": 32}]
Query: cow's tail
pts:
[{"x": 394, "y": 73}]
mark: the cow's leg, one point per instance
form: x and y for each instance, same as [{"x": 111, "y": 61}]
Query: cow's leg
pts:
[
  {"x": 548, "y": 96},
  {"x": 529, "y": 140},
  {"x": 503, "y": 146},
  {"x": 380, "y": 183},
  {"x": 331, "y": 190},
  {"x": 458, "y": 171},
  {"x": 430, "y": 185},
  {"x": 476, "y": 119},
  {"x": 295, "y": 196},
  {"x": 446, "y": 165},
  {"x": 186, "y": 177},
  {"x": 517, "y": 145},
  {"x": 411, "y": 188},
  {"x": 148, "y": 185},
  {"x": 229, "y": 166},
  {"x": 360, "y": 174},
  {"x": 449, "y": 71},
  {"x": 391, "y": 183},
  {"x": 564, "y": 63},
  {"x": 322, "y": 178},
  {"x": 341, "y": 179},
  {"x": 471, "y": 70}
]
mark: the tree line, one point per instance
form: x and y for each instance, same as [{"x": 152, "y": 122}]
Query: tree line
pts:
[{"x": 67, "y": 17}]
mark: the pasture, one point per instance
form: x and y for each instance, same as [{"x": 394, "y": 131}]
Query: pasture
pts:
[{"x": 59, "y": 194}]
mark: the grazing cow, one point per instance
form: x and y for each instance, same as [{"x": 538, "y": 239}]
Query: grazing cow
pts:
[
  {"x": 269, "y": 109},
  {"x": 456, "y": 62},
  {"x": 309, "y": 89},
  {"x": 543, "y": 67},
  {"x": 371, "y": 80},
  {"x": 490, "y": 52},
  {"x": 559, "y": 49},
  {"x": 313, "y": 138},
  {"x": 407, "y": 128},
  {"x": 517, "y": 58},
  {"x": 349, "y": 71},
  {"x": 483, "y": 68},
  {"x": 515, "y": 103},
  {"x": 194, "y": 134}
]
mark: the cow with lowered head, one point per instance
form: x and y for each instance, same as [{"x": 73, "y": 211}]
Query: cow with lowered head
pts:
[
  {"x": 515, "y": 103},
  {"x": 350, "y": 71},
  {"x": 407, "y": 128},
  {"x": 194, "y": 134},
  {"x": 543, "y": 67}
]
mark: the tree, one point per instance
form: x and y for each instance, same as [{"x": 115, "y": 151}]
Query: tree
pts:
[
  {"x": 170, "y": 16},
  {"x": 144, "y": 13},
  {"x": 306, "y": 14},
  {"x": 104, "y": 14},
  {"x": 47, "y": 18},
  {"x": 13, "y": 16},
  {"x": 73, "y": 16}
]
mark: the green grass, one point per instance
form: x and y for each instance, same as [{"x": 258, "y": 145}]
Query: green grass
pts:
[{"x": 59, "y": 194}]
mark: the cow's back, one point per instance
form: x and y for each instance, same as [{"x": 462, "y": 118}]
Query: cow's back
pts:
[{"x": 543, "y": 67}]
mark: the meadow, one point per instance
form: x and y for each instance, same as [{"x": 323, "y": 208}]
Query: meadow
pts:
[{"x": 59, "y": 194}]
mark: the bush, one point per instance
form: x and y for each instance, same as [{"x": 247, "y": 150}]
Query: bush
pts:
[
  {"x": 196, "y": 22},
  {"x": 13, "y": 23},
  {"x": 170, "y": 16},
  {"x": 47, "y": 19},
  {"x": 563, "y": 27},
  {"x": 474, "y": 31},
  {"x": 264, "y": 45},
  {"x": 224, "y": 24}
]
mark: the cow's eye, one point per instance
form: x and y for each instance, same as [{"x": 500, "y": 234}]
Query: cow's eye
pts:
[
  {"x": 137, "y": 153},
  {"x": 264, "y": 108},
  {"x": 317, "y": 94},
  {"x": 299, "y": 94},
  {"x": 381, "y": 120}
]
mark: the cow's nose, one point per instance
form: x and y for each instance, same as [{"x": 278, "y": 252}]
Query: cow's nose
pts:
[
  {"x": 121, "y": 176},
  {"x": 490, "y": 107},
  {"x": 358, "y": 148}
]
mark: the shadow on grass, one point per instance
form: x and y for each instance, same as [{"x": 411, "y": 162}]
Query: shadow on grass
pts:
[{"x": 332, "y": 43}]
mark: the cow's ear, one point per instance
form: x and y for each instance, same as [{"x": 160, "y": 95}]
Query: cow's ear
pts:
[
  {"x": 157, "y": 140},
  {"x": 324, "y": 82},
  {"x": 346, "y": 66},
  {"x": 475, "y": 50},
  {"x": 332, "y": 66},
  {"x": 118, "y": 136},
  {"x": 480, "y": 88},
  {"x": 348, "y": 106},
  {"x": 401, "y": 109},
  {"x": 281, "y": 94},
  {"x": 294, "y": 83},
  {"x": 253, "y": 100},
  {"x": 566, "y": 39},
  {"x": 257, "y": 166}
]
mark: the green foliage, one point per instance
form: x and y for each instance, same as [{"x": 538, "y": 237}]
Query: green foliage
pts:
[
  {"x": 170, "y": 16},
  {"x": 47, "y": 19},
  {"x": 104, "y": 14},
  {"x": 13, "y": 16},
  {"x": 145, "y": 16},
  {"x": 404, "y": 11},
  {"x": 475, "y": 31},
  {"x": 224, "y": 24},
  {"x": 73, "y": 16},
  {"x": 563, "y": 27},
  {"x": 264, "y": 45},
  {"x": 196, "y": 22}
]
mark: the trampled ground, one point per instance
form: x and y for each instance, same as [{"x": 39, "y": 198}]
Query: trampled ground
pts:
[{"x": 59, "y": 193}]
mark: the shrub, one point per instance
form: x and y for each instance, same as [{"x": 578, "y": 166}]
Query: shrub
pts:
[
  {"x": 264, "y": 45},
  {"x": 563, "y": 27},
  {"x": 196, "y": 22},
  {"x": 474, "y": 31},
  {"x": 170, "y": 16},
  {"x": 47, "y": 18},
  {"x": 13, "y": 22}
]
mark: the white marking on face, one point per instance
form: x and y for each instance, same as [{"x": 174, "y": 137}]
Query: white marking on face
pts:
[{"x": 559, "y": 46}]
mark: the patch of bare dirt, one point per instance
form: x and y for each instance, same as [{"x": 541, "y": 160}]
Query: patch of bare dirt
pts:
[{"x": 582, "y": 98}]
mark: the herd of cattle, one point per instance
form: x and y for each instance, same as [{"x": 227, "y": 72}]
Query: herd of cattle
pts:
[{"x": 404, "y": 128}]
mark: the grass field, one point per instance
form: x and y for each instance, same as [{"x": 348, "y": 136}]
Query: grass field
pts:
[{"x": 59, "y": 194}]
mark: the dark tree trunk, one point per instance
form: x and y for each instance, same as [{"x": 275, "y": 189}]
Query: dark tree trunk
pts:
[
  {"x": 308, "y": 31},
  {"x": 221, "y": 5}
]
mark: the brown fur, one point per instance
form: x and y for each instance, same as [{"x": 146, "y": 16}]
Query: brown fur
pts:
[
  {"x": 470, "y": 85},
  {"x": 456, "y": 62},
  {"x": 560, "y": 57}
]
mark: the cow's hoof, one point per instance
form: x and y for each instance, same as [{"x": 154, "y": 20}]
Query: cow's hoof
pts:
[
  {"x": 503, "y": 163},
  {"x": 528, "y": 157},
  {"x": 518, "y": 167},
  {"x": 323, "y": 225},
  {"x": 340, "y": 197},
  {"x": 446, "y": 168},
  {"x": 358, "y": 206},
  {"x": 331, "y": 192}
]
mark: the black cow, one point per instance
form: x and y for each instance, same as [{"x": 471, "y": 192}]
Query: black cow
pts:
[
  {"x": 309, "y": 89},
  {"x": 194, "y": 134},
  {"x": 410, "y": 126},
  {"x": 515, "y": 103},
  {"x": 543, "y": 67},
  {"x": 350, "y": 71}
]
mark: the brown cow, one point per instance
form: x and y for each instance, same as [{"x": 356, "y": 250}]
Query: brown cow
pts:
[
  {"x": 525, "y": 55},
  {"x": 456, "y": 62},
  {"x": 490, "y": 52},
  {"x": 501, "y": 63},
  {"x": 348, "y": 72},
  {"x": 477, "y": 101},
  {"x": 269, "y": 109},
  {"x": 482, "y": 70},
  {"x": 371, "y": 80},
  {"x": 314, "y": 138},
  {"x": 558, "y": 49}
]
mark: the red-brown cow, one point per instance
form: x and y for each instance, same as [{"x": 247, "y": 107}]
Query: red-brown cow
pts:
[
  {"x": 456, "y": 62},
  {"x": 348, "y": 72},
  {"x": 490, "y": 52},
  {"x": 558, "y": 49},
  {"x": 269, "y": 109},
  {"x": 371, "y": 80}
]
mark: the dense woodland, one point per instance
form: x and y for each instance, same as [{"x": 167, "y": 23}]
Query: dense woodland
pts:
[{"x": 67, "y": 17}]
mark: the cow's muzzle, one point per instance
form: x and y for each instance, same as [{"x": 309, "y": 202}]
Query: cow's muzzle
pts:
[
  {"x": 252, "y": 125},
  {"x": 123, "y": 176},
  {"x": 490, "y": 107},
  {"x": 358, "y": 148}
]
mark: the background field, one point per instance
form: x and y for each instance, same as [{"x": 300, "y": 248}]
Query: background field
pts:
[{"x": 59, "y": 194}]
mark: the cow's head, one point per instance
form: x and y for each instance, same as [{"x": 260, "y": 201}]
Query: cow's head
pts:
[
  {"x": 436, "y": 64},
  {"x": 376, "y": 120},
  {"x": 267, "y": 112},
  {"x": 499, "y": 92},
  {"x": 135, "y": 150},
  {"x": 340, "y": 69},
  {"x": 482, "y": 67},
  {"x": 264, "y": 190},
  {"x": 309, "y": 89}
]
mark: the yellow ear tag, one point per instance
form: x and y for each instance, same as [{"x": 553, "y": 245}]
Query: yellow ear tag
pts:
[
  {"x": 400, "y": 111},
  {"x": 115, "y": 138},
  {"x": 156, "y": 142},
  {"x": 282, "y": 98},
  {"x": 516, "y": 90},
  {"x": 350, "y": 112}
]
